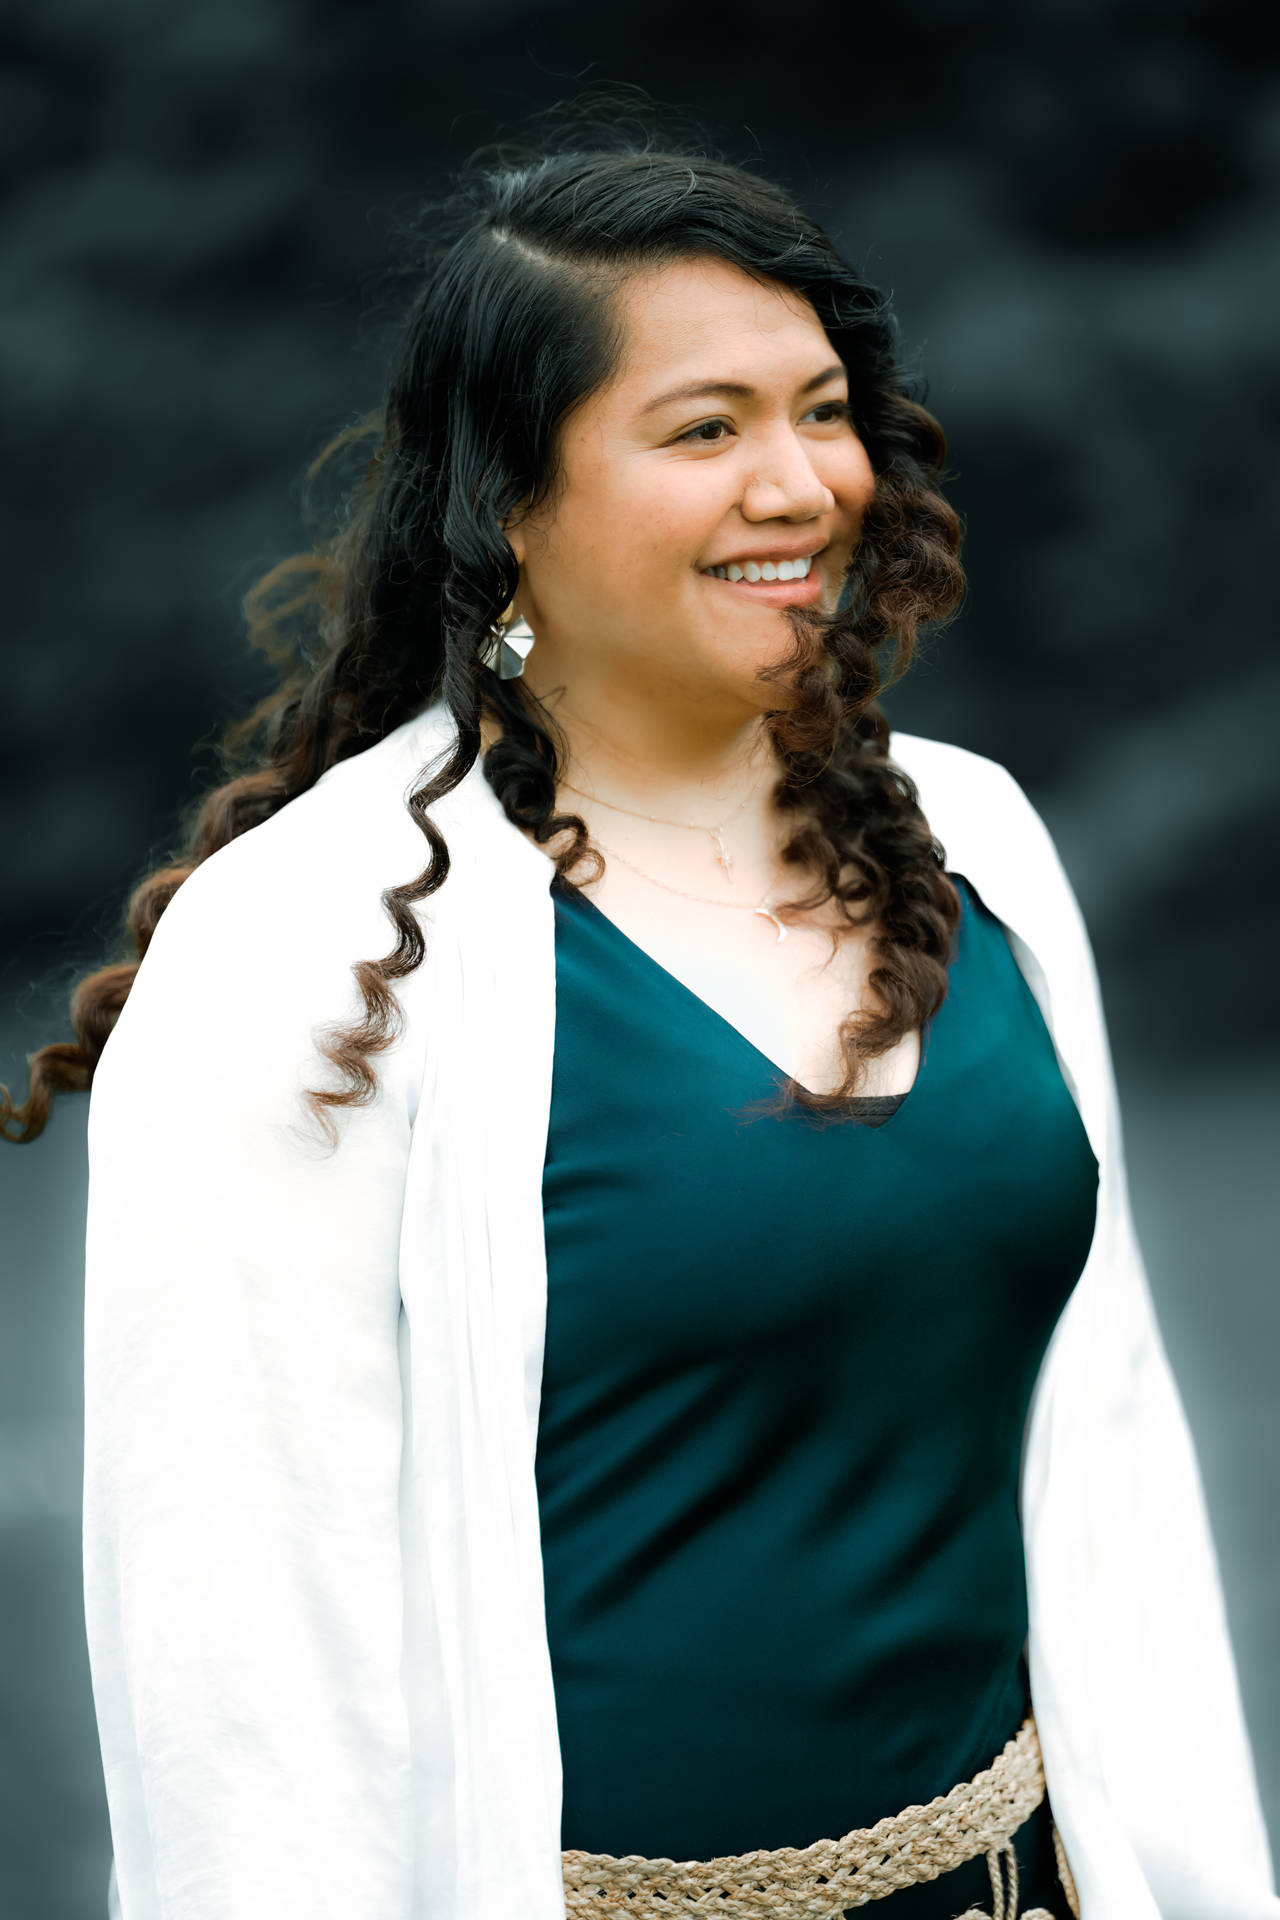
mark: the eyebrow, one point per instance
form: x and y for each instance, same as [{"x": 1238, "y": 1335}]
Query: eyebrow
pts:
[{"x": 732, "y": 389}]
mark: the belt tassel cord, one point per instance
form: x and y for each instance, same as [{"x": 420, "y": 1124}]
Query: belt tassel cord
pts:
[{"x": 822, "y": 1881}]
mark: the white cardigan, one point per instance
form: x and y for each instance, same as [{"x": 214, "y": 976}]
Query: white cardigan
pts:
[{"x": 313, "y": 1581}]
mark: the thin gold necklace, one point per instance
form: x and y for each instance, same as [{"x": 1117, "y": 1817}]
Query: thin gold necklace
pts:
[
  {"x": 763, "y": 908},
  {"x": 693, "y": 826}
]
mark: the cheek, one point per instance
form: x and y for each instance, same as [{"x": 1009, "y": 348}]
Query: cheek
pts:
[
  {"x": 676, "y": 504},
  {"x": 634, "y": 527},
  {"x": 653, "y": 538},
  {"x": 850, "y": 476}
]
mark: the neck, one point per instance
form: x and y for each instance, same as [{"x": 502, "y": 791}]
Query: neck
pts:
[
  {"x": 677, "y": 768},
  {"x": 669, "y": 763}
]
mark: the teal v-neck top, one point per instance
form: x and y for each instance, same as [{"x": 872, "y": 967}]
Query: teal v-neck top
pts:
[{"x": 787, "y": 1369}]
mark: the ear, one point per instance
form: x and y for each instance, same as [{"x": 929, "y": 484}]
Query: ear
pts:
[{"x": 512, "y": 525}]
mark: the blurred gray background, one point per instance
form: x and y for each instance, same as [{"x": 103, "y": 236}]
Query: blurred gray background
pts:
[{"x": 1076, "y": 206}]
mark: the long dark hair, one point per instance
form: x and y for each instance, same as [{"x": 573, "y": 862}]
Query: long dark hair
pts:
[{"x": 514, "y": 323}]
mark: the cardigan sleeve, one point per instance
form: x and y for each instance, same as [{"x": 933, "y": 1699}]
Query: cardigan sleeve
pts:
[
  {"x": 1133, "y": 1674},
  {"x": 243, "y": 1424}
]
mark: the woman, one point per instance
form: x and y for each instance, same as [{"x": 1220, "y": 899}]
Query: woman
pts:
[{"x": 658, "y": 1364}]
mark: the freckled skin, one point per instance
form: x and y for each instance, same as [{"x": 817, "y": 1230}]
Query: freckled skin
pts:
[{"x": 610, "y": 573}]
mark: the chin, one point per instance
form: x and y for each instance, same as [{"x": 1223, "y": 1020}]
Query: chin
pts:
[
  {"x": 775, "y": 689},
  {"x": 753, "y": 699}
]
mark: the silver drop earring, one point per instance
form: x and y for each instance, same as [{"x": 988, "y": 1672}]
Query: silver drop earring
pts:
[{"x": 507, "y": 649}]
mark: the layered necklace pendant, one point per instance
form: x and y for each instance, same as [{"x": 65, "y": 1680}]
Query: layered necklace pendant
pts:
[
  {"x": 724, "y": 858},
  {"x": 722, "y": 852}
]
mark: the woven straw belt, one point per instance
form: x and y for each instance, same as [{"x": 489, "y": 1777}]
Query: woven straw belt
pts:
[{"x": 822, "y": 1881}]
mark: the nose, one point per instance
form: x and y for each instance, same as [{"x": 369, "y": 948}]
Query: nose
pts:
[{"x": 785, "y": 484}]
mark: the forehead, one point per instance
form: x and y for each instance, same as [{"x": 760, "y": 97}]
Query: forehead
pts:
[{"x": 706, "y": 317}]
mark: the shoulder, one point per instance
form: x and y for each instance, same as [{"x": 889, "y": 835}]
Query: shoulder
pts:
[
  {"x": 958, "y": 790},
  {"x": 952, "y": 777},
  {"x": 351, "y": 827},
  {"x": 257, "y": 946},
  {"x": 990, "y": 831},
  {"x": 326, "y": 856}
]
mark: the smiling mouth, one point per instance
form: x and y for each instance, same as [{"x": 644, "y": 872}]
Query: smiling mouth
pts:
[
  {"x": 754, "y": 571},
  {"x": 788, "y": 583}
]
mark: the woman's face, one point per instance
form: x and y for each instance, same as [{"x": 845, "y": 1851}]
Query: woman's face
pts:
[{"x": 723, "y": 439}]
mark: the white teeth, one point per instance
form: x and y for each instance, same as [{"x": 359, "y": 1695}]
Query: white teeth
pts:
[{"x": 764, "y": 570}]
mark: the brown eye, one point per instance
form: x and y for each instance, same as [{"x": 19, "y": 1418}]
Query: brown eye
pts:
[{"x": 694, "y": 432}]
